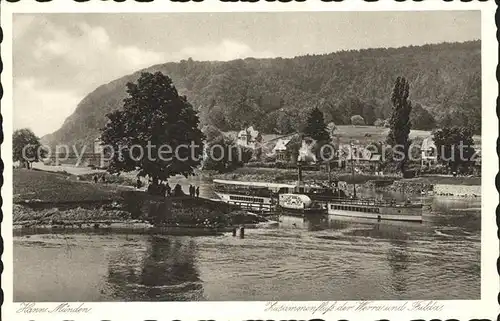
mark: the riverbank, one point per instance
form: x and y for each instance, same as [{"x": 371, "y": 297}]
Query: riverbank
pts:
[
  {"x": 49, "y": 200},
  {"x": 425, "y": 187},
  {"x": 280, "y": 175},
  {"x": 37, "y": 185},
  {"x": 188, "y": 221},
  {"x": 27, "y": 217},
  {"x": 29, "y": 221},
  {"x": 386, "y": 183},
  {"x": 277, "y": 175}
]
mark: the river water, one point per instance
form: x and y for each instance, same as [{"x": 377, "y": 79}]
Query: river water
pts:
[{"x": 301, "y": 259}]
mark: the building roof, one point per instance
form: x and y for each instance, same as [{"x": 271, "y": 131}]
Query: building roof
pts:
[
  {"x": 428, "y": 143},
  {"x": 370, "y": 158},
  {"x": 281, "y": 144},
  {"x": 250, "y": 131}
]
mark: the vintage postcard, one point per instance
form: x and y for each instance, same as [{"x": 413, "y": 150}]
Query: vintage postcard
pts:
[{"x": 236, "y": 161}]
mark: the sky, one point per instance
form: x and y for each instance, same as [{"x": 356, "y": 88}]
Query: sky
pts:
[{"x": 60, "y": 58}]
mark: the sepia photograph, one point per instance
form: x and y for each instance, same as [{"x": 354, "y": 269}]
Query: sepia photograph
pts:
[{"x": 247, "y": 156}]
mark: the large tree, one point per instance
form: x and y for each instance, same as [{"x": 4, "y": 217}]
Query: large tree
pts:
[
  {"x": 455, "y": 146},
  {"x": 400, "y": 123},
  {"x": 26, "y": 147},
  {"x": 316, "y": 127},
  {"x": 156, "y": 131}
]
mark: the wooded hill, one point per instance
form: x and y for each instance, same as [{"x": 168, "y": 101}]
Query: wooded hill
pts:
[{"x": 275, "y": 94}]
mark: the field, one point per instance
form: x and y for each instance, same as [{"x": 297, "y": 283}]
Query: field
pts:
[
  {"x": 366, "y": 134},
  {"x": 58, "y": 187}
]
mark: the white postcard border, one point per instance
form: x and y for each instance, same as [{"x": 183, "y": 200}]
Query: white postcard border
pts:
[{"x": 487, "y": 307}]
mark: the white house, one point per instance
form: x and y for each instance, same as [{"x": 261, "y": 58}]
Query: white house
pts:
[
  {"x": 249, "y": 138},
  {"x": 306, "y": 153},
  {"x": 429, "y": 152},
  {"x": 281, "y": 150},
  {"x": 98, "y": 148},
  {"x": 477, "y": 157}
]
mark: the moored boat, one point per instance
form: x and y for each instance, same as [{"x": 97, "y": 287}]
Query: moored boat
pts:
[
  {"x": 301, "y": 199},
  {"x": 252, "y": 196},
  {"x": 374, "y": 209},
  {"x": 265, "y": 197}
]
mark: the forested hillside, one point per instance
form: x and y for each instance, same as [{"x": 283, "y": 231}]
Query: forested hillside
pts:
[{"x": 274, "y": 95}]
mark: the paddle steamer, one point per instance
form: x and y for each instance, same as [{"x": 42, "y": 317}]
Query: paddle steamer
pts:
[{"x": 265, "y": 197}]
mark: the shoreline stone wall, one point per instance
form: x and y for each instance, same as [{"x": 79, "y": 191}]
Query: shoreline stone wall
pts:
[{"x": 457, "y": 190}]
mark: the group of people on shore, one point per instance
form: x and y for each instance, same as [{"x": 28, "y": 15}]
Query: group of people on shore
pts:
[
  {"x": 96, "y": 178},
  {"x": 194, "y": 191},
  {"x": 166, "y": 190}
]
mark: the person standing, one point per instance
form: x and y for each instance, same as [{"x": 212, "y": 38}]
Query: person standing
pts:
[
  {"x": 178, "y": 191},
  {"x": 169, "y": 190},
  {"x": 197, "y": 191}
]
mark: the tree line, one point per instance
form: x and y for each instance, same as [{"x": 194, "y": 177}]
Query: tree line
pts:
[{"x": 277, "y": 94}]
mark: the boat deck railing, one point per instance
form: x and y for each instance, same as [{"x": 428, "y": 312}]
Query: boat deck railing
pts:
[{"x": 366, "y": 202}]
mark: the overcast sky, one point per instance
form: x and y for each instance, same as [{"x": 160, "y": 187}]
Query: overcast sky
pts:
[{"x": 59, "y": 58}]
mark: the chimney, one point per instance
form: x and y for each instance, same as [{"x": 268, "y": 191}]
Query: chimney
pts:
[{"x": 299, "y": 178}]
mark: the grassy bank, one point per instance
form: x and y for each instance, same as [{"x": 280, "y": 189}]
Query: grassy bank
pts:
[
  {"x": 59, "y": 187},
  {"x": 28, "y": 217},
  {"x": 34, "y": 186},
  {"x": 111, "y": 179}
]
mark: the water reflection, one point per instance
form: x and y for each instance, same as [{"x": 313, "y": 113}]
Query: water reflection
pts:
[
  {"x": 465, "y": 213},
  {"x": 310, "y": 258},
  {"x": 398, "y": 258},
  {"x": 164, "y": 270}
]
